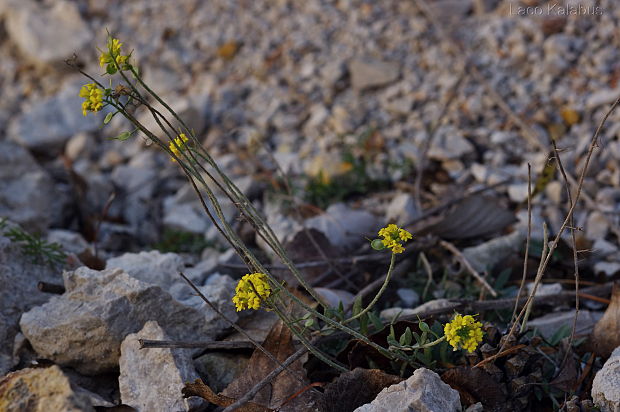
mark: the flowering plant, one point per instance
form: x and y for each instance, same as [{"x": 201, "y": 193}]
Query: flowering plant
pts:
[{"x": 258, "y": 288}]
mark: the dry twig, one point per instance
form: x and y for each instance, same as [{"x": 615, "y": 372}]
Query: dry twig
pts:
[{"x": 457, "y": 253}]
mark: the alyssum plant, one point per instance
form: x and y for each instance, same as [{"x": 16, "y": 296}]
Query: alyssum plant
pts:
[{"x": 260, "y": 288}]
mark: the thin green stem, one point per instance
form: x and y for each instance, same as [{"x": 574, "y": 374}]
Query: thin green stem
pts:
[
  {"x": 416, "y": 347},
  {"x": 378, "y": 295}
]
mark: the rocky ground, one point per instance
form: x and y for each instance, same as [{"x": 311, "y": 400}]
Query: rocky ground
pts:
[{"x": 377, "y": 112}]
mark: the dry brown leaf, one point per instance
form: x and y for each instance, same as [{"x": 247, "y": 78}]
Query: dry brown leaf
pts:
[
  {"x": 198, "y": 388},
  {"x": 606, "y": 334},
  {"x": 567, "y": 377},
  {"x": 356, "y": 388},
  {"x": 279, "y": 343},
  {"x": 303, "y": 249},
  {"x": 476, "y": 385},
  {"x": 473, "y": 217}
]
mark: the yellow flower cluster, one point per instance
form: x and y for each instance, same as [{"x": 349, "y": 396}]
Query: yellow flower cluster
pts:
[
  {"x": 180, "y": 142},
  {"x": 393, "y": 237},
  {"x": 107, "y": 58},
  {"x": 93, "y": 98},
  {"x": 463, "y": 332},
  {"x": 250, "y": 291}
]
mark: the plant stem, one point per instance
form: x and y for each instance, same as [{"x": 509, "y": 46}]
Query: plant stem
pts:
[{"x": 378, "y": 295}]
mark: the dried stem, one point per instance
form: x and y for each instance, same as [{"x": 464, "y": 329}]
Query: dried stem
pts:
[
  {"x": 457, "y": 253},
  {"x": 527, "y": 240}
]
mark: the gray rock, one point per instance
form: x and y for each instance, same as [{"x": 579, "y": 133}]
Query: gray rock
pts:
[
  {"x": 449, "y": 143},
  {"x": 488, "y": 254},
  {"x": 607, "y": 268},
  {"x": 219, "y": 369},
  {"x": 545, "y": 289},
  {"x": 518, "y": 192},
  {"x": 409, "y": 297},
  {"x": 80, "y": 146},
  {"x": 187, "y": 217},
  {"x": 18, "y": 294},
  {"x": 401, "y": 209},
  {"x": 597, "y": 226},
  {"x": 602, "y": 97},
  {"x": 219, "y": 290},
  {"x": 71, "y": 242},
  {"x": 343, "y": 226},
  {"x": 138, "y": 183},
  {"x": 424, "y": 391},
  {"x": 147, "y": 391},
  {"x": 333, "y": 297},
  {"x": 26, "y": 190},
  {"x": 84, "y": 327},
  {"x": 154, "y": 267},
  {"x": 429, "y": 306},
  {"x": 41, "y": 390},
  {"x": 549, "y": 324},
  {"x": 606, "y": 384},
  {"x": 368, "y": 73},
  {"x": 47, "y": 35},
  {"x": 200, "y": 271},
  {"x": 49, "y": 123},
  {"x": 476, "y": 407}
]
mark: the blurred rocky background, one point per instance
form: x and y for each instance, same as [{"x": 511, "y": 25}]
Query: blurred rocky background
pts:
[{"x": 375, "y": 111}]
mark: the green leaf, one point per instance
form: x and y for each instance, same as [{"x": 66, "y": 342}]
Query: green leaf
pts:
[
  {"x": 502, "y": 278},
  {"x": 123, "y": 136},
  {"x": 110, "y": 69},
  {"x": 377, "y": 244},
  {"x": 391, "y": 341},
  {"x": 424, "y": 326},
  {"x": 560, "y": 334},
  {"x": 340, "y": 312},
  {"x": 405, "y": 339},
  {"x": 357, "y": 305},
  {"x": 364, "y": 324},
  {"x": 309, "y": 323},
  {"x": 392, "y": 334},
  {"x": 376, "y": 320},
  {"x": 108, "y": 117}
]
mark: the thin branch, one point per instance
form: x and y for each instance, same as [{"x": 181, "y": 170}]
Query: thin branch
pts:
[
  {"x": 527, "y": 240},
  {"x": 481, "y": 306},
  {"x": 574, "y": 244},
  {"x": 221, "y": 345},
  {"x": 457, "y": 253}
]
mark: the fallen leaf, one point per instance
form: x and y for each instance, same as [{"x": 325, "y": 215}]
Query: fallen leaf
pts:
[
  {"x": 475, "y": 385},
  {"x": 473, "y": 217},
  {"x": 356, "y": 388},
  {"x": 279, "y": 343},
  {"x": 303, "y": 248},
  {"x": 198, "y": 388},
  {"x": 567, "y": 378},
  {"x": 606, "y": 334}
]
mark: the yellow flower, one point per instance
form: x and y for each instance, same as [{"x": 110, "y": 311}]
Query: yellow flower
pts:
[
  {"x": 180, "y": 142},
  {"x": 112, "y": 54},
  {"x": 93, "y": 98},
  {"x": 250, "y": 291},
  {"x": 393, "y": 238},
  {"x": 463, "y": 332}
]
